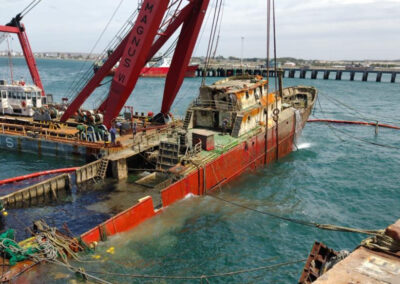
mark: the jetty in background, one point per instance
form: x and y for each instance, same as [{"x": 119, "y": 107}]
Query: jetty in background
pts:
[{"x": 325, "y": 73}]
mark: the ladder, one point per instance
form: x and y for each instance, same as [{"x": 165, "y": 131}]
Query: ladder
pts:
[
  {"x": 101, "y": 172},
  {"x": 236, "y": 126},
  {"x": 188, "y": 117}
]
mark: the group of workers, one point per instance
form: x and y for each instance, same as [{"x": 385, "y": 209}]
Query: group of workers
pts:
[{"x": 118, "y": 125}]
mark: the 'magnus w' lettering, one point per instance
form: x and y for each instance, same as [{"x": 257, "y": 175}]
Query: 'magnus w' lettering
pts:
[{"x": 134, "y": 44}]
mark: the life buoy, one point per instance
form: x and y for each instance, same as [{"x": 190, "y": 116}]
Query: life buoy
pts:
[{"x": 23, "y": 104}]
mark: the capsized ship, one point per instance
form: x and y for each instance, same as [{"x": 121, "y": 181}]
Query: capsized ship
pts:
[{"x": 232, "y": 126}]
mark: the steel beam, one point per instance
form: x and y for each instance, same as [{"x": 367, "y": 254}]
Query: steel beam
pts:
[
  {"x": 26, "y": 49},
  {"x": 134, "y": 56},
  {"x": 183, "y": 52},
  {"x": 171, "y": 29}
]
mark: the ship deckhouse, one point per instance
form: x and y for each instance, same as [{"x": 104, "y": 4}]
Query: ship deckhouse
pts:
[
  {"x": 239, "y": 104},
  {"x": 20, "y": 99}
]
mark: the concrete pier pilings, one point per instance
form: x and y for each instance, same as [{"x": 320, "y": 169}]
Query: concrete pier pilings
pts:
[
  {"x": 365, "y": 76},
  {"x": 339, "y": 75},
  {"x": 314, "y": 74},
  {"x": 379, "y": 76},
  {"x": 393, "y": 79},
  {"x": 352, "y": 75},
  {"x": 326, "y": 74}
]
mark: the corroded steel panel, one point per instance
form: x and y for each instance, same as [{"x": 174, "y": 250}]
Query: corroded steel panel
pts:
[{"x": 364, "y": 266}]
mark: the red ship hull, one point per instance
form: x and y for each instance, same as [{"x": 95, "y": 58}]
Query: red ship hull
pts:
[
  {"x": 248, "y": 155},
  {"x": 163, "y": 71}
]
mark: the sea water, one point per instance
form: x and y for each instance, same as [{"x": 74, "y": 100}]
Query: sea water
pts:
[{"x": 336, "y": 176}]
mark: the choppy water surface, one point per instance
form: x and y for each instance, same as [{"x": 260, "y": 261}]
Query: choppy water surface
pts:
[{"x": 331, "y": 178}]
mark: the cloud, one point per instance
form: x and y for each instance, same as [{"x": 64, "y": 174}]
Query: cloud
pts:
[{"x": 326, "y": 29}]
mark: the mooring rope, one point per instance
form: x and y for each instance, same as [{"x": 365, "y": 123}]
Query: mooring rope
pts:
[
  {"x": 176, "y": 277},
  {"x": 333, "y": 129},
  {"x": 328, "y": 227},
  {"x": 382, "y": 243},
  {"x": 354, "y": 110}
]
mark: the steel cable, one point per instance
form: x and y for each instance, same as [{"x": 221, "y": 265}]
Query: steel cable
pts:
[
  {"x": 29, "y": 8},
  {"x": 361, "y": 115},
  {"x": 353, "y": 136},
  {"x": 178, "y": 277},
  {"x": 328, "y": 227}
]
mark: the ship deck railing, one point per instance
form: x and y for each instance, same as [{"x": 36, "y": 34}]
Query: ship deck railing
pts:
[
  {"x": 213, "y": 104},
  {"x": 48, "y": 134}
]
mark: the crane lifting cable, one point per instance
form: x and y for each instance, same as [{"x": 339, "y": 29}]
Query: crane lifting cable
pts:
[
  {"x": 83, "y": 78},
  {"x": 29, "y": 8}
]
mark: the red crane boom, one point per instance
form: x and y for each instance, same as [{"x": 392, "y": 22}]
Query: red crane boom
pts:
[
  {"x": 138, "y": 47},
  {"x": 16, "y": 27}
]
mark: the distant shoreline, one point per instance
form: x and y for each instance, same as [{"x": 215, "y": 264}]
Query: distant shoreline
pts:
[{"x": 50, "y": 58}]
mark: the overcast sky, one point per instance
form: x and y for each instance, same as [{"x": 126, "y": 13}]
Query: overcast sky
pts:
[{"x": 310, "y": 29}]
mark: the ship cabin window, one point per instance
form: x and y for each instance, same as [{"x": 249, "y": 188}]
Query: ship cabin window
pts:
[
  {"x": 265, "y": 87},
  {"x": 44, "y": 100},
  {"x": 19, "y": 95},
  {"x": 247, "y": 95},
  {"x": 28, "y": 95},
  {"x": 4, "y": 94},
  {"x": 13, "y": 95}
]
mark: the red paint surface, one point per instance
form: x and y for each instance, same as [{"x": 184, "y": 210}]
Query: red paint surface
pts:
[
  {"x": 123, "y": 221},
  {"x": 43, "y": 173}
]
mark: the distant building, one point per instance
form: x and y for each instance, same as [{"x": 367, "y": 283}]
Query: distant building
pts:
[{"x": 289, "y": 64}]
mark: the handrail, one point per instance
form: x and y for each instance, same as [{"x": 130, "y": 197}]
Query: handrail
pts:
[{"x": 214, "y": 103}]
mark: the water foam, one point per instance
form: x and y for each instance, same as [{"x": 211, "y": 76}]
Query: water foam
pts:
[{"x": 304, "y": 145}]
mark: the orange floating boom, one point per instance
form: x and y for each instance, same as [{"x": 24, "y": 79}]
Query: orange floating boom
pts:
[
  {"x": 37, "y": 174},
  {"x": 354, "y": 122}
]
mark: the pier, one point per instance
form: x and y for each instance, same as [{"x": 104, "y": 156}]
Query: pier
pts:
[{"x": 364, "y": 75}]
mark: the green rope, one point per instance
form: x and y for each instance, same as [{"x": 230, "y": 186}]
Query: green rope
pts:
[{"x": 12, "y": 251}]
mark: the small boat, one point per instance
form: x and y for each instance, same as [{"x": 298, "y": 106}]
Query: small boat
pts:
[{"x": 160, "y": 68}]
